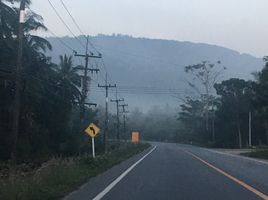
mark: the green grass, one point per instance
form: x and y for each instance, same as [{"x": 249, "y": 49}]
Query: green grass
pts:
[
  {"x": 259, "y": 153},
  {"x": 60, "y": 176}
]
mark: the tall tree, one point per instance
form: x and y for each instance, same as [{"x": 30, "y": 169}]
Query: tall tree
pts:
[
  {"x": 261, "y": 95},
  {"x": 49, "y": 91},
  {"x": 235, "y": 96},
  {"x": 69, "y": 79},
  {"x": 204, "y": 76}
]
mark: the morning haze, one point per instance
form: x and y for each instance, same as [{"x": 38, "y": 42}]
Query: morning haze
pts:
[
  {"x": 164, "y": 99},
  {"x": 239, "y": 24}
]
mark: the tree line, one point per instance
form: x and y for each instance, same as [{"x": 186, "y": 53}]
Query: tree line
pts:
[
  {"x": 218, "y": 113},
  {"x": 49, "y": 118},
  {"x": 223, "y": 113},
  {"x": 50, "y": 100}
]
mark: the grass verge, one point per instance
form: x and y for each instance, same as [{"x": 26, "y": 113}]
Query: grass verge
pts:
[
  {"x": 58, "y": 177},
  {"x": 259, "y": 153}
]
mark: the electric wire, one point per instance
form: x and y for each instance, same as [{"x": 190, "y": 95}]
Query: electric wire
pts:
[
  {"x": 65, "y": 24},
  {"x": 77, "y": 26},
  {"x": 61, "y": 41}
]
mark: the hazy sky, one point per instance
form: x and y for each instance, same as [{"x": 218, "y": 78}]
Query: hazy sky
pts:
[{"x": 237, "y": 24}]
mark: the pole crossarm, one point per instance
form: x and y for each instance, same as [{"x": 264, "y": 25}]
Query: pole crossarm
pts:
[
  {"x": 91, "y": 55},
  {"x": 106, "y": 87}
]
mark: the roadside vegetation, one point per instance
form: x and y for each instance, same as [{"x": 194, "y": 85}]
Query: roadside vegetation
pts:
[
  {"x": 59, "y": 176},
  {"x": 216, "y": 113},
  {"x": 257, "y": 153}
]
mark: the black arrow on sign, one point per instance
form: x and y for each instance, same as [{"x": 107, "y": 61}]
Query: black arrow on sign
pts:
[{"x": 93, "y": 130}]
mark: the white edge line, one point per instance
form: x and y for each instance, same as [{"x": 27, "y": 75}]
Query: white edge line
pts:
[{"x": 109, "y": 187}]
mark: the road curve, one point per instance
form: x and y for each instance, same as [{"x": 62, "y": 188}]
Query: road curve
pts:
[{"x": 172, "y": 171}]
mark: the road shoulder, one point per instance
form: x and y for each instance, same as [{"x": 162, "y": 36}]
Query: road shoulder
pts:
[
  {"x": 96, "y": 184},
  {"x": 237, "y": 153}
]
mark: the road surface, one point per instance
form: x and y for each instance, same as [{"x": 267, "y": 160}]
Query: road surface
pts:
[{"x": 181, "y": 172}]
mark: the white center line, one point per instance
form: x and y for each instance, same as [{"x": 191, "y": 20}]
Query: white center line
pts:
[{"x": 109, "y": 187}]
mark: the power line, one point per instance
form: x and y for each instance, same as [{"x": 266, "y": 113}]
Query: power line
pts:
[
  {"x": 117, "y": 101},
  {"x": 55, "y": 10},
  {"x": 109, "y": 77},
  {"x": 74, "y": 21},
  {"x": 77, "y": 26},
  {"x": 106, "y": 87},
  {"x": 85, "y": 80},
  {"x": 61, "y": 41}
]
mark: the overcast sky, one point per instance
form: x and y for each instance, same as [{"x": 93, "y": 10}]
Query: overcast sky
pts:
[{"x": 237, "y": 24}]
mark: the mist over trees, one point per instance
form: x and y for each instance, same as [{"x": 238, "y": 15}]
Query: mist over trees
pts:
[
  {"x": 218, "y": 115},
  {"x": 226, "y": 124},
  {"x": 157, "y": 124},
  {"x": 157, "y": 65}
]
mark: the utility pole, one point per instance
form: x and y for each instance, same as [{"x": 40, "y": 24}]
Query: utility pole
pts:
[
  {"x": 85, "y": 80},
  {"x": 124, "y": 117},
  {"x": 249, "y": 129},
  {"x": 17, "y": 96},
  {"x": 107, "y": 87},
  {"x": 117, "y": 115}
]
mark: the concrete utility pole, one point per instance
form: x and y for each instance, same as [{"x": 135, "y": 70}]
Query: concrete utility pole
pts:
[
  {"x": 124, "y": 118},
  {"x": 107, "y": 87},
  {"x": 249, "y": 129},
  {"x": 85, "y": 81},
  {"x": 117, "y": 115},
  {"x": 17, "y": 95}
]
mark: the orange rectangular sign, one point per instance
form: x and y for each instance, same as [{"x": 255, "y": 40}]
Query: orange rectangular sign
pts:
[{"x": 135, "y": 137}]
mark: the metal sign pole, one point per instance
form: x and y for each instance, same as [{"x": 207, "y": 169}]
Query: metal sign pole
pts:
[
  {"x": 93, "y": 147},
  {"x": 249, "y": 130}
]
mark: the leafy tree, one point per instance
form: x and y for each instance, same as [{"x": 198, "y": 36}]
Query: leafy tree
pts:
[
  {"x": 235, "y": 97},
  {"x": 204, "y": 76},
  {"x": 50, "y": 92},
  {"x": 192, "y": 119},
  {"x": 261, "y": 96}
]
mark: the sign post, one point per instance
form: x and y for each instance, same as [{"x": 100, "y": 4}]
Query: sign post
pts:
[
  {"x": 92, "y": 130},
  {"x": 93, "y": 147}
]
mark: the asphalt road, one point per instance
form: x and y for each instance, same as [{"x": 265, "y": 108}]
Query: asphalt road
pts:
[{"x": 172, "y": 171}]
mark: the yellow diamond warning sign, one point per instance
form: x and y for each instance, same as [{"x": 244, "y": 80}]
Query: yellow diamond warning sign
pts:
[{"x": 92, "y": 130}]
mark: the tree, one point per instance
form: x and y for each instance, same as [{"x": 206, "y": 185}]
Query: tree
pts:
[
  {"x": 69, "y": 79},
  {"x": 49, "y": 92},
  {"x": 192, "y": 119},
  {"x": 261, "y": 96},
  {"x": 235, "y": 97},
  {"x": 204, "y": 76}
]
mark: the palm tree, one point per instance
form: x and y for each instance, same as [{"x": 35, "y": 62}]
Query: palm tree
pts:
[
  {"x": 35, "y": 46},
  {"x": 8, "y": 17},
  {"x": 69, "y": 79}
]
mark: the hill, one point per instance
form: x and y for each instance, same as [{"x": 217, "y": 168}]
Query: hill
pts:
[{"x": 150, "y": 71}]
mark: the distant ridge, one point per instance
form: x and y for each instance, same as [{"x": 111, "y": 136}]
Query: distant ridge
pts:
[{"x": 158, "y": 63}]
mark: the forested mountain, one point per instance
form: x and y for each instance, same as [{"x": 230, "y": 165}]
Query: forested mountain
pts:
[{"x": 153, "y": 69}]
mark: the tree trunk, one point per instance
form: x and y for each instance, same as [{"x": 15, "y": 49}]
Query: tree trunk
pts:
[
  {"x": 239, "y": 135},
  {"x": 213, "y": 130},
  {"x": 266, "y": 131},
  {"x": 207, "y": 128}
]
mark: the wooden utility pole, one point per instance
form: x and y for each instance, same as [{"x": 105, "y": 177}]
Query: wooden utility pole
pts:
[
  {"x": 117, "y": 101},
  {"x": 17, "y": 87},
  {"x": 106, "y": 87},
  {"x": 85, "y": 81}
]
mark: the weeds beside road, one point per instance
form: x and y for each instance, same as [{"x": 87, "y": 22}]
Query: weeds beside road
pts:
[
  {"x": 58, "y": 177},
  {"x": 258, "y": 153}
]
